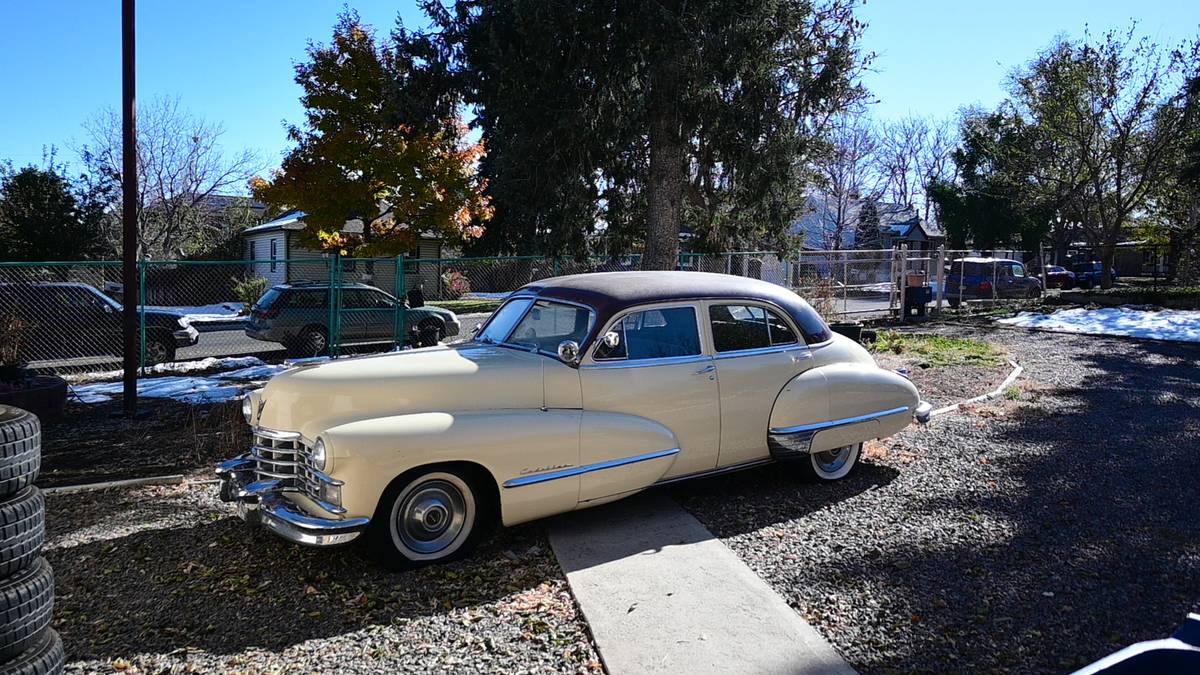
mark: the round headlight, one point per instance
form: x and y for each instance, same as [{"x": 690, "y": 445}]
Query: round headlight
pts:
[
  {"x": 318, "y": 455},
  {"x": 247, "y": 408}
]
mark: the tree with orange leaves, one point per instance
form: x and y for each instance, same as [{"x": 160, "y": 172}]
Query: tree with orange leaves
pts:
[{"x": 376, "y": 147}]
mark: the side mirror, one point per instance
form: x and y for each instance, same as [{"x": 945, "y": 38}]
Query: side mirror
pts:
[
  {"x": 611, "y": 339},
  {"x": 475, "y": 328},
  {"x": 568, "y": 352}
]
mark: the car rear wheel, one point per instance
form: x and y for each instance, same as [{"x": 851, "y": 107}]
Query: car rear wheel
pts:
[
  {"x": 430, "y": 516},
  {"x": 312, "y": 341},
  {"x": 830, "y": 465},
  {"x": 953, "y": 302},
  {"x": 430, "y": 331}
]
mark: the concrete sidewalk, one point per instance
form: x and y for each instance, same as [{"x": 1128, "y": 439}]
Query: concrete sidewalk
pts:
[{"x": 663, "y": 595}]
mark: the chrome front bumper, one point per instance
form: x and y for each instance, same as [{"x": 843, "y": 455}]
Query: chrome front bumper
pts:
[
  {"x": 262, "y": 502},
  {"x": 923, "y": 412}
]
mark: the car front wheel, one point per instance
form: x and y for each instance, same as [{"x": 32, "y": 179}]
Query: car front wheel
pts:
[
  {"x": 158, "y": 350},
  {"x": 830, "y": 465},
  {"x": 430, "y": 516}
]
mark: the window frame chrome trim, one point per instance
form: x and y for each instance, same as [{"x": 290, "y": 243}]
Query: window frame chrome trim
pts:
[
  {"x": 645, "y": 363},
  {"x": 661, "y": 360},
  {"x": 758, "y": 351},
  {"x": 536, "y": 478},
  {"x": 817, "y": 426},
  {"x": 769, "y": 307}
]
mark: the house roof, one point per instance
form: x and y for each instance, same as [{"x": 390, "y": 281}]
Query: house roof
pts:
[{"x": 292, "y": 220}]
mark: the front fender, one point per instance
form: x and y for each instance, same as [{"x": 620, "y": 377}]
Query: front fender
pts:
[{"x": 368, "y": 454}]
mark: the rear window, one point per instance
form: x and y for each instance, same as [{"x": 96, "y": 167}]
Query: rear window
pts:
[
  {"x": 812, "y": 326},
  {"x": 267, "y": 298},
  {"x": 972, "y": 269}
]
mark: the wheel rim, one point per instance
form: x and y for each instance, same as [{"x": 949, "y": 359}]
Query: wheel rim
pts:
[
  {"x": 433, "y": 516},
  {"x": 832, "y": 461},
  {"x": 316, "y": 342},
  {"x": 156, "y": 352}
]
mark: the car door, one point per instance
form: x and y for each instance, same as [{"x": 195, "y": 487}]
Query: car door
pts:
[
  {"x": 658, "y": 370},
  {"x": 756, "y": 351},
  {"x": 380, "y": 312},
  {"x": 87, "y": 325}
]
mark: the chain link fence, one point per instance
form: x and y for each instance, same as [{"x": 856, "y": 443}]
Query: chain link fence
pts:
[{"x": 66, "y": 317}]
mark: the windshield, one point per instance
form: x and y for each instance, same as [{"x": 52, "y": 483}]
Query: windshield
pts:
[
  {"x": 546, "y": 324},
  {"x": 539, "y": 325},
  {"x": 503, "y": 321}
]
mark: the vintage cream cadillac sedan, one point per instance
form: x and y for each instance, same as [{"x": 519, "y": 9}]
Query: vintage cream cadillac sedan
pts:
[{"x": 577, "y": 391}]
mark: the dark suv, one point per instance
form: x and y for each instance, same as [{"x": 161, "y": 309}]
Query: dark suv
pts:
[
  {"x": 297, "y": 316},
  {"x": 1091, "y": 274},
  {"x": 987, "y": 278},
  {"x": 68, "y": 320}
]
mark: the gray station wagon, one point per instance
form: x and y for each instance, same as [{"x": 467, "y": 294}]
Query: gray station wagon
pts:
[{"x": 297, "y": 315}]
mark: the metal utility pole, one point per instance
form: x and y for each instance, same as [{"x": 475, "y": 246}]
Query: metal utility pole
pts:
[{"x": 129, "y": 200}]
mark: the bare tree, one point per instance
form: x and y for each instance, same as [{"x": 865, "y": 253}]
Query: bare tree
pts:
[
  {"x": 913, "y": 152},
  {"x": 181, "y": 169},
  {"x": 845, "y": 175}
]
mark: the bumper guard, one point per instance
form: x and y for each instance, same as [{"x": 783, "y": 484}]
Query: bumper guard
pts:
[{"x": 263, "y": 503}]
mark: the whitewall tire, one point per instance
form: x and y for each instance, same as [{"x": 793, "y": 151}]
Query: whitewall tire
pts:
[
  {"x": 429, "y": 517},
  {"x": 830, "y": 465}
]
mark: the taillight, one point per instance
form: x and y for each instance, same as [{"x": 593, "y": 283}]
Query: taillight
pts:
[
  {"x": 267, "y": 313},
  {"x": 985, "y": 286}
]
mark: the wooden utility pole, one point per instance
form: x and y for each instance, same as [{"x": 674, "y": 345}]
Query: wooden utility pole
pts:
[{"x": 129, "y": 189}]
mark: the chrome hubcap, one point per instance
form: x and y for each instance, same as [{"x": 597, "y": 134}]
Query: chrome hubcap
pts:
[
  {"x": 431, "y": 517},
  {"x": 831, "y": 461}
]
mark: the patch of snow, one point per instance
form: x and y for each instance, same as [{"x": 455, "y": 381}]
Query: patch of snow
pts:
[
  {"x": 477, "y": 295},
  {"x": 1167, "y": 324},
  {"x": 180, "y": 388},
  {"x": 210, "y": 363},
  {"x": 222, "y": 311},
  {"x": 263, "y": 372}
]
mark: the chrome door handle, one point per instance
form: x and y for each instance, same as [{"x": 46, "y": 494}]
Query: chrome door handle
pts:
[
  {"x": 797, "y": 357},
  {"x": 706, "y": 369}
]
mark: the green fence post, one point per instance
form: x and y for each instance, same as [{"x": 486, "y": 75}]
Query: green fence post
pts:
[
  {"x": 142, "y": 312},
  {"x": 555, "y": 266},
  {"x": 335, "y": 266},
  {"x": 401, "y": 316}
]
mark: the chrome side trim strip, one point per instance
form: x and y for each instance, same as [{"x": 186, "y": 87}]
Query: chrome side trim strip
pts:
[
  {"x": 777, "y": 349},
  {"x": 837, "y": 423},
  {"x": 587, "y": 468},
  {"x": 716, "y": 472},
  {"x": 647, "y": 363}
]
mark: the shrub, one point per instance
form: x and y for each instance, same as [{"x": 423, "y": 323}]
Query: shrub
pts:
[{"x": 248, "y": 291}]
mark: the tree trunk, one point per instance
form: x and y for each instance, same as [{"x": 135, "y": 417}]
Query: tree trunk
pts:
[
  {"x": 664, "y": 189},
  {"x": 1108, "y": 255}
]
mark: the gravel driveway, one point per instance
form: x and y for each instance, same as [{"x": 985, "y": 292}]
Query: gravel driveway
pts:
[
  {"x": 1034, "y": 535},
  {"x": 167, "y": 579}
]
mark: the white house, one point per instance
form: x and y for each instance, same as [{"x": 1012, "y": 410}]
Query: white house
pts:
[{"x": 276, "y": 254}]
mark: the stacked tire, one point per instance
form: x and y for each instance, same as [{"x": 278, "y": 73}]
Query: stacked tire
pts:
[{"x": 28, "y": 645}]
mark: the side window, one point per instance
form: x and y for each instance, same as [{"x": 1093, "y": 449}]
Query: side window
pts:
[
  {"x": 781, "y": 332},
  {"x": 655, "y": 334},
  {"x": 313, "y": 299},
  {"x": 1018, "y": 270},
  {"x": 738, "y": 327},
  {"x": 377, "y": 300}
]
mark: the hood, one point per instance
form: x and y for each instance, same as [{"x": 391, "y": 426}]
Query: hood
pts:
[{"x": 471, "y": 376}]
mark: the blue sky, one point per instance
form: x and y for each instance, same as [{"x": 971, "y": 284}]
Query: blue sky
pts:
[{"x": 231, "y": 62}]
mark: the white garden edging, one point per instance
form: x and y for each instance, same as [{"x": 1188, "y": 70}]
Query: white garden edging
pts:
[
  {"x": 1016, "y": 372},
  {"x": 174, "y": 479}
]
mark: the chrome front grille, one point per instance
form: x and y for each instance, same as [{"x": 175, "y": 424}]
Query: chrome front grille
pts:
[{"x": 283, "y": 457}]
